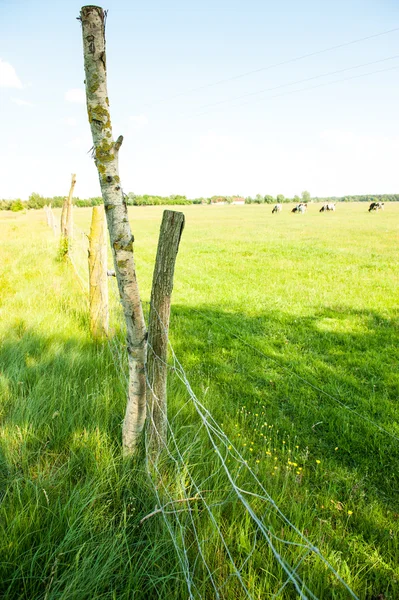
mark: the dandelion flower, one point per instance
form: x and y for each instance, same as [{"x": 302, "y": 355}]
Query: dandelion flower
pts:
[
  {"x": 318, "y": 461},
  {"x": 350, "y": 512}
]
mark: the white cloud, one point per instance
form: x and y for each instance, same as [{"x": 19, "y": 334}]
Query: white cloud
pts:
[
  {"x": 138, "y": 121},
  {"x": 76, "y": 95},
  {"x": 8, "y": 76},
  {"x": 21, "y": 102}
]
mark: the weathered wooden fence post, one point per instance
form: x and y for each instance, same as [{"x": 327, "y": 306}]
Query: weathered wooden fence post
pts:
[
  {"x": 63, "y": 222},
  {"x": 162, "y": 286},
  {"x": 98, "y": 278},
  {"x": 106, "y": 158},
  {"x": 67, "y": 220},
  {"x": 69, "y": 217}
]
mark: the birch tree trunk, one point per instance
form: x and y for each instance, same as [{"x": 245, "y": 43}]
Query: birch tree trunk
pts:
[{"x": 121, "y": 238}]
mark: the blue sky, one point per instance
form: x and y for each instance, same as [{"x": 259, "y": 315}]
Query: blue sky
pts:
[{"x": 341, "y": 137}]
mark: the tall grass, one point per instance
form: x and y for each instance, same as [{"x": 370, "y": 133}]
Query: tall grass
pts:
[{"x": 315, "y": 297}]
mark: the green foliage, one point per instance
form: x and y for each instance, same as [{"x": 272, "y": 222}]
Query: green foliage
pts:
[{"x": 16, "y": 206}]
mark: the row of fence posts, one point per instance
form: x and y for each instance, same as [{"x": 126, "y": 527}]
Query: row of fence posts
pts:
[
  {"x": 51, "y": 222},
  {"x": 168, "y": 245},
  {"x": 97, "y": 259}
]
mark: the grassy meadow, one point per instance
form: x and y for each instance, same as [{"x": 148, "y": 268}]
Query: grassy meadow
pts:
[{"x": 287, "y": 328}]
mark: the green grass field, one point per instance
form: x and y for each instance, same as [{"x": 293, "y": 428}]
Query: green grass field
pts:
[{"x": 287, "y": 327}]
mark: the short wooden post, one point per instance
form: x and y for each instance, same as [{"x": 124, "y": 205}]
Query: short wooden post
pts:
[
  {"x": 64, "y": 230},
  {"x": 63, "y": 223},
  {"x": 158, "y": 328},
  {"x": 69, "y": 217},
  {"x": 99, "y": 317}
]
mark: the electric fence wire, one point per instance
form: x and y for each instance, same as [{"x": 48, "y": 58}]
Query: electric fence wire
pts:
[
  {"x": 271, "y": 89},
  {"x": 277, "y": 64},
  {"x": 226, "y": 451},
  {"x": 306, "y": 89}
]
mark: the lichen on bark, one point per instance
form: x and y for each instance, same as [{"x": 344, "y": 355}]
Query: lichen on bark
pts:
[{"x": 106, "y": 159}]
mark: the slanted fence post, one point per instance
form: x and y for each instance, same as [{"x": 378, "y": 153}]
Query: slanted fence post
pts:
[
  {"x": 67, "y": 220},
  {"x": 162, "y": 286},
  {"x": 99, "y": 316},
  {"x": 63, "y": 223},
  {"x": 69, "y": 217}
]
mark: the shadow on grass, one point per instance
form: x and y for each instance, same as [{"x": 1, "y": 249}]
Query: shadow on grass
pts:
[
  {"x": 69, "y": 504},
  {"x": 350, "y": 355}
]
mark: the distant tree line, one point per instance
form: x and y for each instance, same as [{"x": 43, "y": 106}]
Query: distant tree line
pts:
[
  {"x": 366, "y": 198},
  {"x": 37, "y": 201}
]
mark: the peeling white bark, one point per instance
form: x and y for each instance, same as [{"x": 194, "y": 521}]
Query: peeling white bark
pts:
[{"x": 106, "y": 158}]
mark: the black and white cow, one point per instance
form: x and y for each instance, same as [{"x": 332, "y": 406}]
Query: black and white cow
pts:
[
  {"x": 300, "y": 208},
  {"x": 327, "y": 207},
  {"x": 376, "y": 206},
  {"x": 277, "y": 208}
]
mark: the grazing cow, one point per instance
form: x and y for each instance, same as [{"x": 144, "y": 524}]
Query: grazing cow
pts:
[
  {"x": 327, "y": 207},
  {"x": 277, "y": 208},
  {"x": 300, "y": 208},
  {"x": 376, "y": 206}
]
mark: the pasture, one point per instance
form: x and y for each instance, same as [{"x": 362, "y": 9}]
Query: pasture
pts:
[{"x": 287, "y": 328}]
